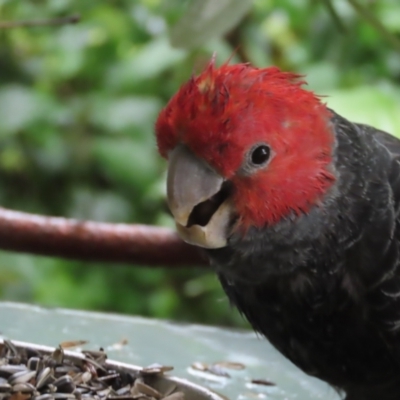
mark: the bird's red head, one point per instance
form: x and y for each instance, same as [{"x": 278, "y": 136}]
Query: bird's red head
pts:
[{"x": 257, "y": 129}]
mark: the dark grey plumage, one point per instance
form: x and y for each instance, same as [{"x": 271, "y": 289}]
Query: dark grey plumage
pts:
[{"x": 324, "y": 287}]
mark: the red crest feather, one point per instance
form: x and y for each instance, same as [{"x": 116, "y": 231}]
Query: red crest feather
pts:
[{"x": 223, "y": 112}]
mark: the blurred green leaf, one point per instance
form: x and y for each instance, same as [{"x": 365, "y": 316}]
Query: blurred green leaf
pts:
[
  {"x": 126, "y": 162},
  {"x": 321, "y": 77},
  {"x": 99, "y": 206},
  {"x": 207, "y": 19},
  {"x": 19, "y": 108},
  {"x": 379, "y": 107},
  {"x": 11, "y": 158},
  {"x": 146, "y": 63},
  {"x": 122, "y": 113}
]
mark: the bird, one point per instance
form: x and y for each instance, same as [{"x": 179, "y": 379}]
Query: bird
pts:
[{"x": 297, "y": 210}]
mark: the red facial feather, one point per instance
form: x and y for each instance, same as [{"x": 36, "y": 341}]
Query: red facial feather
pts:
[{"x": 222, "y": 113}]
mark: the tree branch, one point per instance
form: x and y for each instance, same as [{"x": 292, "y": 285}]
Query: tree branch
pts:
[
  {"x": 72, "y": 19},
  {"x": 95, "y": 241},
  {"x": 335, "y": 16},
  {"x": 374, "y": 22}
]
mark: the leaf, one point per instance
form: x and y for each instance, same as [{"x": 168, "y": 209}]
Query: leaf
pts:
[
  {"x": 374, "y": 106},
  {"x": 125, "y": 112},
  {"x": 147, "y": 63},
  {"x": 321, "y": 77},
  {"x": 207, "y": 19},
  {"x": 19, "y": 107},
  {"x": 126, "y": 162},
  {"x": 99, "y": 206},
  {"x": 154, "y": 58}
]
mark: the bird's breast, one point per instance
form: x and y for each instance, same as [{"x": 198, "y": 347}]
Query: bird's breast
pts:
[{"x": 318, "y": 327}]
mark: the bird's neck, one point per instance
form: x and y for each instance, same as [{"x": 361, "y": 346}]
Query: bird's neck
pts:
[{"x": 321, "y": 241}]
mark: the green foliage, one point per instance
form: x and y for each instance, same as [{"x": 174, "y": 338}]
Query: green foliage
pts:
[{"x": 78, "y": 104}]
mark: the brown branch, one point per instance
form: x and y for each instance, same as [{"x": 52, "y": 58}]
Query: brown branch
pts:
[
  {"x": 72, "y": 19},
  {"x": 94, "y": 241}
]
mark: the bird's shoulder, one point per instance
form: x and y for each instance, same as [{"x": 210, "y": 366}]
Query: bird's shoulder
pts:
[{"x": 380, "y": 150}]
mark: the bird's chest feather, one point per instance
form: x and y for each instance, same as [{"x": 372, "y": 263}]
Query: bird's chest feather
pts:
[{"x": 315, "y": 323}]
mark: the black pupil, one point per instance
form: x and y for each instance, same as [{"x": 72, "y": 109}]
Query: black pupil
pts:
[{"x": 260, "y": 155}]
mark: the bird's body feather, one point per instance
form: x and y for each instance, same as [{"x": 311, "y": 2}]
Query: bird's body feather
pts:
[{"x": 324, "y": 288}]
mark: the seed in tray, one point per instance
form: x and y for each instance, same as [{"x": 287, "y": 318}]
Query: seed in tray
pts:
[
  {"x": 21, "y": 377},
  {"x": 28, "y": 374},
  {"x": 44, "y": 377},
  {"x": 68, "y": 344},
  {"x": 64, "y": 384}
]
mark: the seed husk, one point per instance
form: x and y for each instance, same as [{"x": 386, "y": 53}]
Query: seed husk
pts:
[
  {"x": 5, "y": 387},
  {"x": 230, "y": 365},
  {"x": 20, "y": 396},
  {"x": 7, "y": 370},
  {"x": 64, "y": 384},
  {"x": 200, "y": 366},
  {"x": 68, "y": 344},
  {"x": 45, "y": 396},
  {"x": 157, "y": 368},
  {"x": 23, "y": 387},
  {"x": 108, "y": 377},
  {"x": 21, "y": 377},
  {"x": 34, "y": 363},
  {"x": 264, "y": 382},
  {"x": 28, "y": 374},
  {"x": 44, "y": 377},
  {"x": 57, "y": 356},
  {"x": 11, "y": 348},
  {"x": 59, "y": 396},
  {"x": 147, "y": 390},
  {"x": 216, "y": 370}
]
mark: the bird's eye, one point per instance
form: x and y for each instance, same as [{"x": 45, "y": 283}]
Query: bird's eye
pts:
[{"x": 260, "y": 155}]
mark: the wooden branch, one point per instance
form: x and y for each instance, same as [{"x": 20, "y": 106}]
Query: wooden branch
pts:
[
  {"x": 72, "y": 19},
  {"x": 234, "y": 38},
  {"x": 95, "y": 241},
  {"x": 370, "y": 17},
  {"x": 335, "y": 16}
]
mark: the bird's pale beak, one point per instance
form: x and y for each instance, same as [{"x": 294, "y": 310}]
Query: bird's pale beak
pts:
[{"x": 199, "y": 200}]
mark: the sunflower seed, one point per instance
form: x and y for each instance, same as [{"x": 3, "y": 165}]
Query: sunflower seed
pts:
[
  {"x": 262, "y": 382},
  {"x": 7, "y": 370},
  {"x": 147, "y": 390},
  {"x": 34, "y": 363},
  {"x": 23, "y": 388},
  {"x": 216, "y": 370},
  {"x": 73, "y": 343},
  {"x": 29, "y": 374},
  {"x": 64, "y": 384},
  {"x": 230, "y": 365},
  {"x": 21, "y": 377},
  {"x": 199, "y": 366},
  {"x": 45, "y": 396},
  {"x": 57, "y": 356},
  {"x": 19, "y": 396},
  {"x": 59, "y": 396},
  {"x": 44, "y": 377},
  {"x": 5, "y": 387},
  {"x": 108, "y": 377},
  {"x": 11, "y": 348}
]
